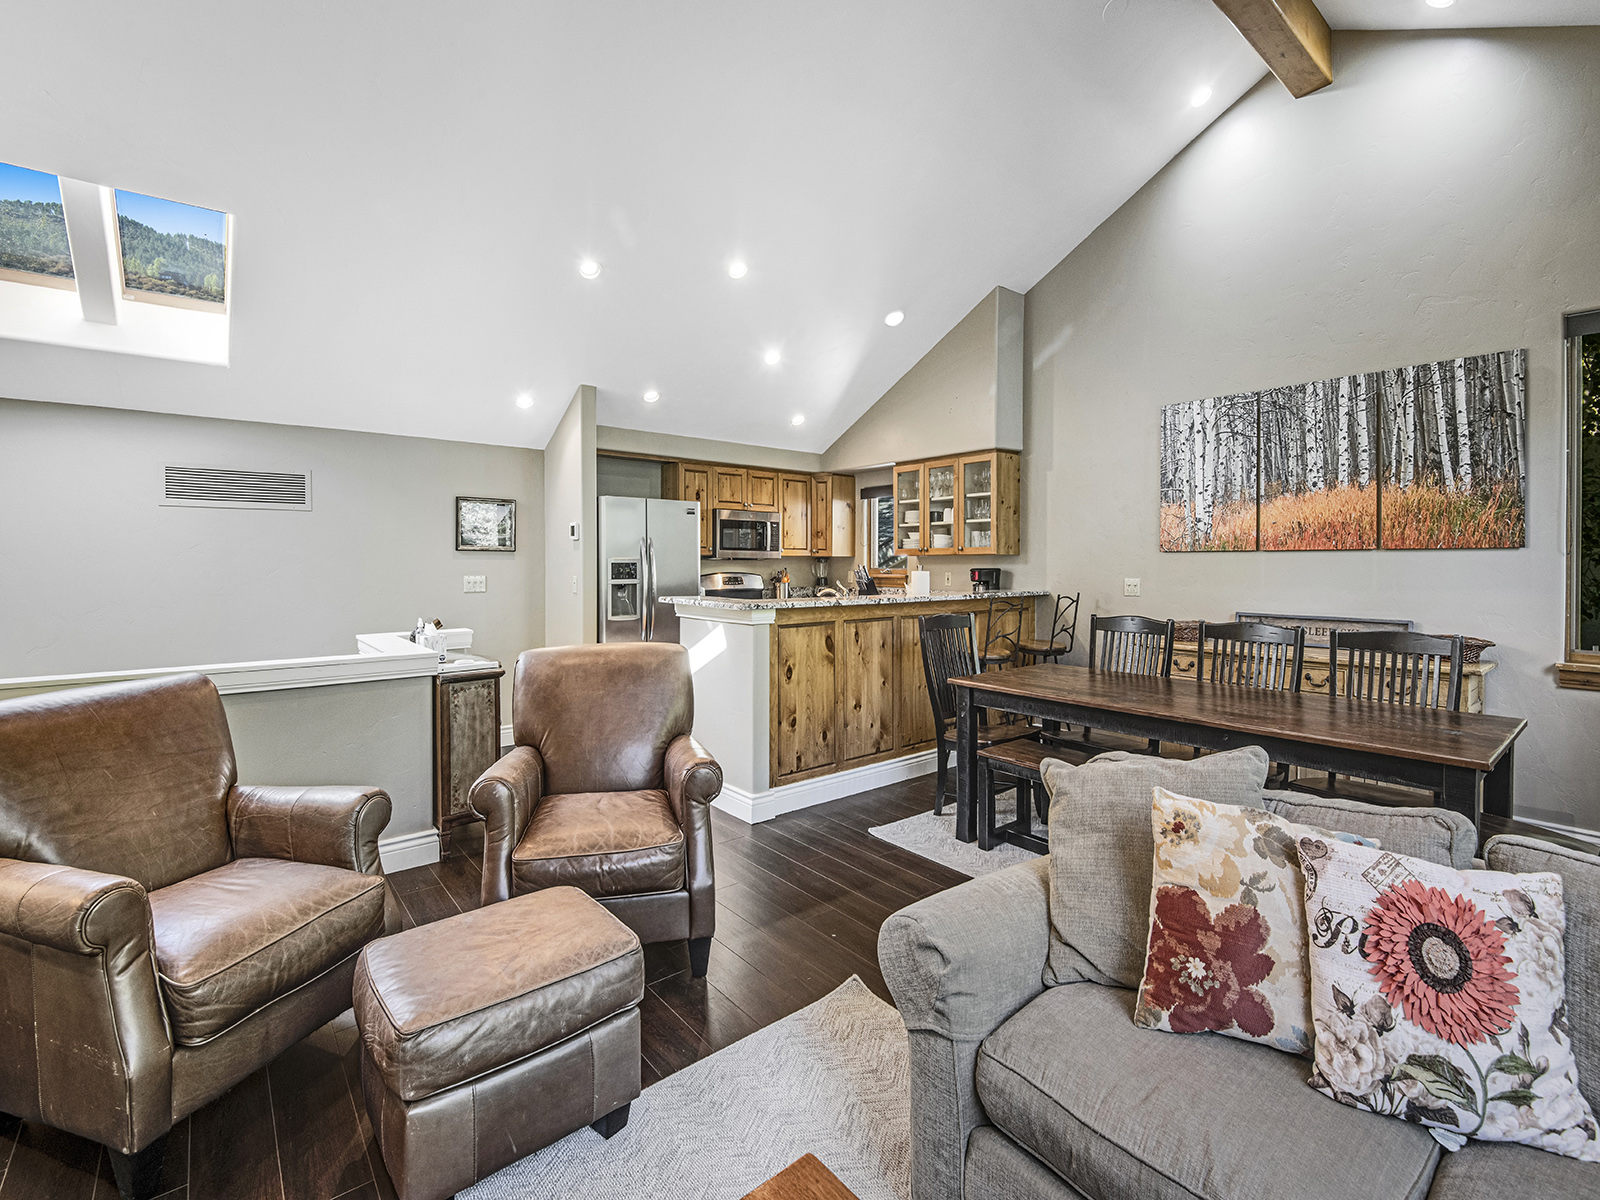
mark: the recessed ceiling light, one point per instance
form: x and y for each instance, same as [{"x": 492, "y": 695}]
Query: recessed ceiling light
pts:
[
  {"x": 652, "y": 396},
  {"x": 798, "y": 419},
  {"x": 1440, "y": 3},
  {"x": 588, "y": 268},
  {"x": 772, "y": 357},
  {"x": 1199, "y": 96},
  {"x": 737, "y": 269},
  {"x": 524, "y": 401},
  {"x": 894, "y": 318}
]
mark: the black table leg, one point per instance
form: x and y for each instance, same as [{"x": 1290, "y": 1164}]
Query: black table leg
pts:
[
  {"x": 966, "y": 764},
  {"x": 1462, "y": 791},
  {"x": 1498, "y": 785}
]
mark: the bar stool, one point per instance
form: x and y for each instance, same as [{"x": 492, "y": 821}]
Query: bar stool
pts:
[{"x": 1063, "y": 633}]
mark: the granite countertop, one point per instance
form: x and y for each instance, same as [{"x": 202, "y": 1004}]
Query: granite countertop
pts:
[{"x": 835, "y": 601}]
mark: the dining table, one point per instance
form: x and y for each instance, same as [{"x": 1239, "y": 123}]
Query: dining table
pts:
[{"x": 1466, "y": 759}]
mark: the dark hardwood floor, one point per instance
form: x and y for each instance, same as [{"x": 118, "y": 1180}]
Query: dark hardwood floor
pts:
[{"x": 799, "y": 903}]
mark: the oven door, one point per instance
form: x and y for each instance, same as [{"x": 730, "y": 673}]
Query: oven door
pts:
[{"x": 739, "y": 534}]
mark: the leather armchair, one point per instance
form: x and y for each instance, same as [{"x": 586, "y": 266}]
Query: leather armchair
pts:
[
  {"x": 164, "y": 931},
  {"x": 606, "y": 790}
]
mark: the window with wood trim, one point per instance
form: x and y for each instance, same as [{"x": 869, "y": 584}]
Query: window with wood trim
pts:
[
  {"x": 877, "y": 533},
  {"x": 1583, "y": 452}
]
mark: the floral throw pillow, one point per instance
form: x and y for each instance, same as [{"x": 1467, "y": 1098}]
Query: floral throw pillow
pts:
[
  {"x": 1227, "y": 948},
  {"x": 1439, "y": 996}
]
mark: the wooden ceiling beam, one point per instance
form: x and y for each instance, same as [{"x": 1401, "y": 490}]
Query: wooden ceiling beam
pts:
[{"x": 1291, "y": 37}]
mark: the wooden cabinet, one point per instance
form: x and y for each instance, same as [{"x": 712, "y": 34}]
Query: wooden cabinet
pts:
[
  {"x": 691, "y": 481},
  {"x": 971, "y": 504},
  {"x": 761, "y": 490},
  {"x": 728, "y": 486},
  {"x": 833, "y": 516},
  {"x": 466, "y": 740},
  {"x": 914, "y": 728},
  {"x": 868, "y": 681},
  {"x": 804, "y": 700},
  {"x": 794, "y": 510}
]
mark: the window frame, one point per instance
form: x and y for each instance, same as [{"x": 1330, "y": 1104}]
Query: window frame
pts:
[
  {"x": 870, "y": 498},
  {"x": 1575, "y": 328},
  {"x": 137, "y": 296}
]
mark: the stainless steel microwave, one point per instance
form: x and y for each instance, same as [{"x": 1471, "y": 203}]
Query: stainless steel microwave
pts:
[{"x": 739, "y": 533}]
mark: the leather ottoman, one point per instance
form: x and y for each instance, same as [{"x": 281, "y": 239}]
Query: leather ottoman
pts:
[{"x": 489, "y": 1035}]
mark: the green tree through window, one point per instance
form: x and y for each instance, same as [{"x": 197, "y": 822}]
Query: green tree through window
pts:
[{"x": 1589, "y": 502}]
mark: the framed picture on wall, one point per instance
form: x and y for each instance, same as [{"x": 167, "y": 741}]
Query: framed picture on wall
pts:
[{"x": 486, "y": 524}]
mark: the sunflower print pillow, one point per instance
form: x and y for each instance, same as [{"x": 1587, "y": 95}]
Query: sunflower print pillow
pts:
[
  {"x": 1439, "y": 996},
  {"x": 1227, "y": 947}
]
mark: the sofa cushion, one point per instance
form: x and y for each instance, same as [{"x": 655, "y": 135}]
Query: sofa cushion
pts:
[
  {"x": 1436, "y": 834},
  {"x": 231, "y": 940},
  {"x": 999, "y": 1169},
  {"x": 1101, "y": 848},
  {"x": 1481, "y": 1171},
  {"x": 1122, "y": 1111},
  {"x": 604, "y": 843},
  {"x": 447, "y": 1002},
  {"x": 1580, "y": 886}
]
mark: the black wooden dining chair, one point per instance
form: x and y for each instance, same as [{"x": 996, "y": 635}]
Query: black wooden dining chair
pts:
[
  {"x": 1395, "y": 667},
  {"x": 1131, "y": 646},
  {"x": 1063, "y": 633},
  {"x": 1250, "y": 654},
  {"x": 949, "y": 651}
]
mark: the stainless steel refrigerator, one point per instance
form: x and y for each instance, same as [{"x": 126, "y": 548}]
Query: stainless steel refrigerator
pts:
[{"x": 648, "y": 549}]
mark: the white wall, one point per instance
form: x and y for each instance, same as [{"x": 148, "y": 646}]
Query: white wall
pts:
[
  {"x": 965, "y": 394},
  {"x": 570, "y": 481},
  {"x": 706, "y": 450},
  {"x": 1441, "y": 198},
  {"x": 96, "y": 575}
]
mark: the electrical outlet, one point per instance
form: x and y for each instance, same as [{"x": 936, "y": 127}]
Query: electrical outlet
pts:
[
  {"x": 574, "y": 585},
  {"x": 474, "y": 583},
  {"x": 948, "y": 578},
  {"x": 1130, "y": 587}
]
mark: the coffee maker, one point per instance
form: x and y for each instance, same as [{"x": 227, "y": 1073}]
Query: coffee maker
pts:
[{"x": 986, "y": 579}]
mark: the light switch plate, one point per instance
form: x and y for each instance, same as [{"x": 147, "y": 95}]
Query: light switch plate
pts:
[
  {"x": 1130, "y": 587},
  {"x": 474, "y": 583}
]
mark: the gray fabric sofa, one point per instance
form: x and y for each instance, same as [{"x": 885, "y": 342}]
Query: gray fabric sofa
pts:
[{"x": 1024, "y": 1091}]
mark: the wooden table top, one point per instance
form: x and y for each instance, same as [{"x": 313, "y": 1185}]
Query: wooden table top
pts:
[
  {"x": 804, "y": 1179},
  {"x": 1473, "y": 740}
]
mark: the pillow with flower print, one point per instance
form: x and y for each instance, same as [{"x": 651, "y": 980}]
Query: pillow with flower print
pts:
[
  {"x": 1439, "y": 996},
  {"x": 1227, "y": 947}
]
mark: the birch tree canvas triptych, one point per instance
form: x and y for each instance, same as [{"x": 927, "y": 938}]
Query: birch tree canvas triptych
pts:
[{"x": 1430, "y": 457}]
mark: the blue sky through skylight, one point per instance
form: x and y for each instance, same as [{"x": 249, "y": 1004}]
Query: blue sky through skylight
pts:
[
  {"x": 168, "y": 216},
  {"x": 19, "y": 183}
]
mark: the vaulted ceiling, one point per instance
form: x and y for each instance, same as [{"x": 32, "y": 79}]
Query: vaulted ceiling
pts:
[{"x": 415, "y": 185}]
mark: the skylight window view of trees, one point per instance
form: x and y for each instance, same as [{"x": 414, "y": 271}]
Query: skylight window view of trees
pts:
[
  {"x": 33, "y": 230},
  {"x": 172, "y": 249}
]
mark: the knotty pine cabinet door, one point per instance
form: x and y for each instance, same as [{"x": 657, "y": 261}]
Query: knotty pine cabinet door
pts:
[
  {"x": 868, "y": 687},
  {"x": 803, "y": 699},
  {"x": 761, "y": 490},
  {"x": 914, "y": 725},
  {"x": 694, "y": 483},
  {"x": 728, "y": 486},
  {"x": 794, "y": 511}
]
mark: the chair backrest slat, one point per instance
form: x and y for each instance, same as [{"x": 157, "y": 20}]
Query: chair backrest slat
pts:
[
  {"x": 1413, "y": 669},
  {"x": 1130, "y": 645},
  {"x": 949, "y": 650},
  {"x": 1251, "y": 654}
]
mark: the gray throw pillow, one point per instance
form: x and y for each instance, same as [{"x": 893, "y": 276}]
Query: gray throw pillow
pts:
[
  {"x": 1436, "y": 834},
  {"x": 1101, "y": 849}
]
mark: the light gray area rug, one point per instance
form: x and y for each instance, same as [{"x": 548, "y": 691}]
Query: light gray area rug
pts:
[
  {"x": 933, "y": 836},
  {"x": 832, "y": 1080}
]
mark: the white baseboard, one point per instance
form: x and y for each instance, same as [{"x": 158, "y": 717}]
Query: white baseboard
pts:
[
  {"x": 753, "y": 808},
  {"x": 406, "y": 850}
]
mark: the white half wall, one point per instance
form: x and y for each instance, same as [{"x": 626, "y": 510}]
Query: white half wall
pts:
[{"x": 570, "y": 497}]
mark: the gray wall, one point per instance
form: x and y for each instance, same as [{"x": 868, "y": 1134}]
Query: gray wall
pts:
[
  {"x": 571, "y": 586},
  {"x": 1441, "y": 198},
  {"x": 96, "y": 575}
]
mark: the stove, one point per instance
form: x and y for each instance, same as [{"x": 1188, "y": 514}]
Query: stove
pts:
[{"x": 732, "y": 585}]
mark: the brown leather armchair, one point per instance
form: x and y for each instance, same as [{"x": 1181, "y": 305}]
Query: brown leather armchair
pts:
[
  {"x": 606, "y": 790},
  {"x": 164, "y": 931}
]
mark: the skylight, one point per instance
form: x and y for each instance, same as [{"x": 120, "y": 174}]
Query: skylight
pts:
[
  {"x": 33, "y": 229},
  {"x": 174, "y": 254}
]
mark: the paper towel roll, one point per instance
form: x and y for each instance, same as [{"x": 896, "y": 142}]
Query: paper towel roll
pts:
[{"x": 917, "y": 583}]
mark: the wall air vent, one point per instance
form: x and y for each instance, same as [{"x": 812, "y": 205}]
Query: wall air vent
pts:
[{"x": 226, "y": 487}]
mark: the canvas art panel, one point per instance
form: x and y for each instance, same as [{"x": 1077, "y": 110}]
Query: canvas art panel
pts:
[
  {"x": 1208, "y": 474},
  {"x": 1455, "y": 453},
  {"x": 1319, "y": 486}
]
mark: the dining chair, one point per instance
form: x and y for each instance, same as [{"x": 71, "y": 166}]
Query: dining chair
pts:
[
  {"x": 1131, "y": 646},
  {"x": 1250, "y": 654},
  {"x": 950, "y": 650},
  {"x": 1002, "y": 639},
  {"x": 1397, "y": 667},
  {"x": 1063, "y": 633}
]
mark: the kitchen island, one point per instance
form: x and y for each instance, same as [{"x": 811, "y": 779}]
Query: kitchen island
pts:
[{"x": 808, "y": 699}]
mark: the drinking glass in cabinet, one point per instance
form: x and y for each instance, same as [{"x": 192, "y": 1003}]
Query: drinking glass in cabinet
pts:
[
  {"x": 975, "y": 478},
  {"x": 941, "y": 483}
]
